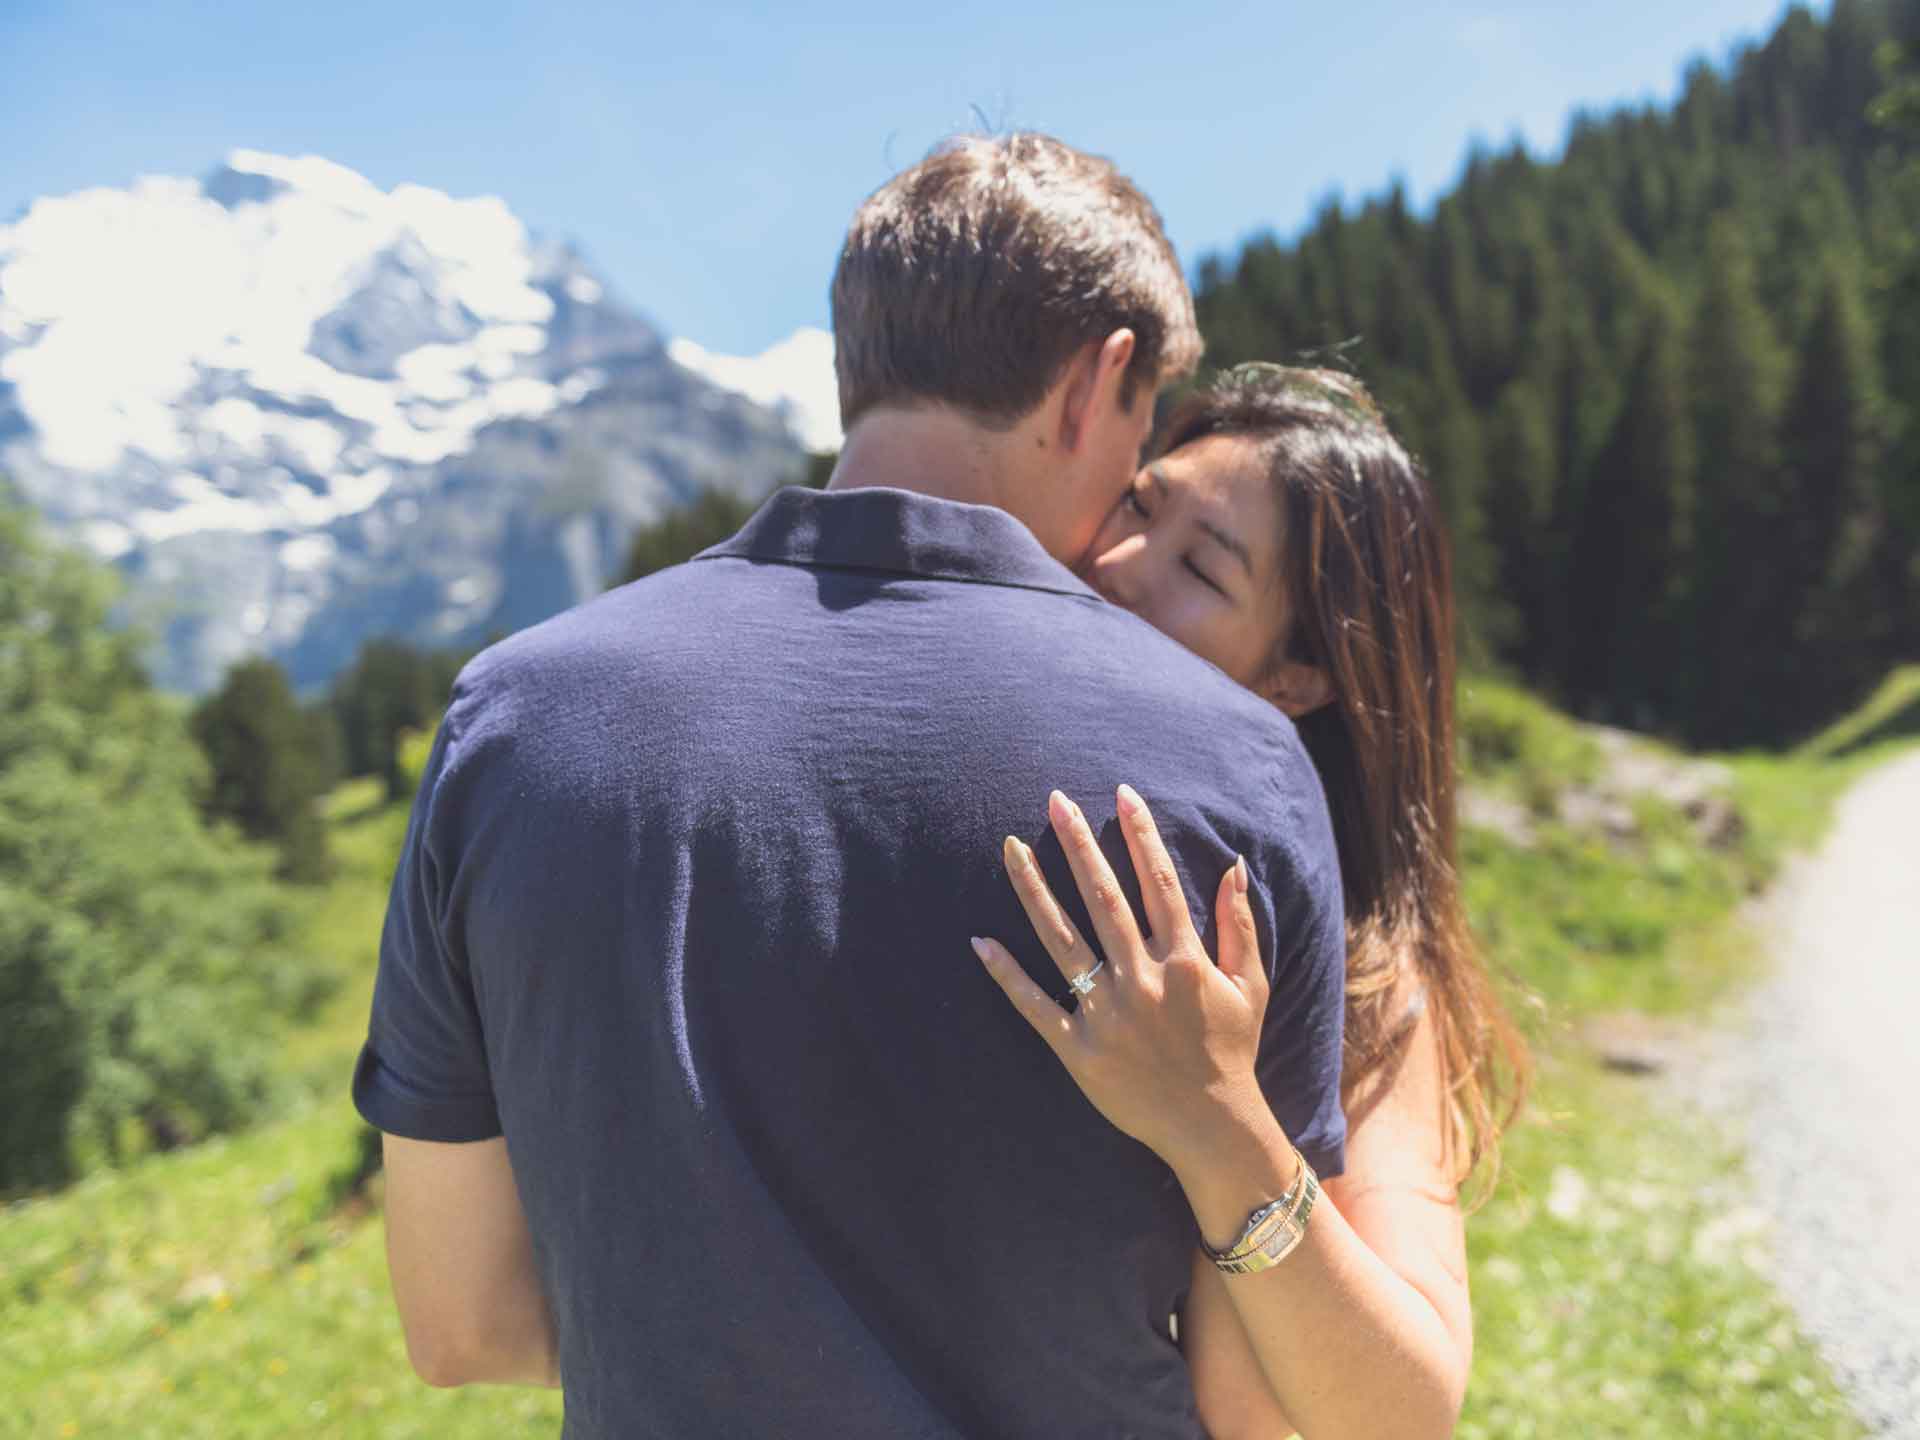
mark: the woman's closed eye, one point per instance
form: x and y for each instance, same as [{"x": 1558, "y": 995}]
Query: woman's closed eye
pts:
[{"x": 1205, "y": 579}]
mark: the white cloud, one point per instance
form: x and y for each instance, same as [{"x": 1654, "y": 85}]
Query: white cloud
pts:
[
  {"x": 116, "y": 304},
  {"x": 793, "y": 378},
  {"x": 308, "y": 552}
]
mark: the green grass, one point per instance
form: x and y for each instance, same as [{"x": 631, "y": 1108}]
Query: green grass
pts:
[
  {"x": 1586, "y": 928},
  {"x": 1512, "y": 743},
  {"x": 1618, "y": 1288},
  {"x": 342, "y": 923},
  {"x": 1618, "y": 1278},
  {"x": 1580, "y": 922},
  {"x": 1891, "y": 712},
  {"x": 220, "y": 1293},
  {"x": 233, "y": 1289},
  {"x": 239, "y": 1289}
]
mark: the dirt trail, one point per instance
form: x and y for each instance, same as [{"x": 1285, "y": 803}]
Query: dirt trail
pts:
[{"x": 1828, "y": 1063}]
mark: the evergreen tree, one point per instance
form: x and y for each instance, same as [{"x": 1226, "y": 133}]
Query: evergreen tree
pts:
[
  {"x": 325, "y": 746},
  {"x": 1831, "y": 438},
  {"x": 1896, "y": 560},
  {"x": 266, "y": 776},
  {"x": 1456, "y": 463},
  {"x": 819, "y": 469},
  {"x": 1631, "y": 552},
  {"x": 1521, "y": 470},
  {"x": 391, "y": 689},
  {"x": 1896, "y": 108},
  {"x": 1586, "y": 392},
  {"x": 679, "y": 535},
  {"x": 1737, "y": 378},
  {"x": 1507, "y": 336}
]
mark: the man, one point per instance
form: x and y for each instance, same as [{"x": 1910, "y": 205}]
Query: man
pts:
[{"x": 696, "y": 1097}]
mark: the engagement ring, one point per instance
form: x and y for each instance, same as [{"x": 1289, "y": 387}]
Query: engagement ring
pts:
[{"x": 1083, "y": 983}]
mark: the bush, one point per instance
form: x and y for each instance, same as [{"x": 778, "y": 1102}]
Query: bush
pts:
[{"x": 142, "y": 958}]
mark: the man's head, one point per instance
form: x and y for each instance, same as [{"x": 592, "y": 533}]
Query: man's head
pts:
[{"x": 1029, "y": 289}]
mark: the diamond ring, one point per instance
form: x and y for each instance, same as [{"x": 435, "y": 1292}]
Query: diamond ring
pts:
[{"x": 1082, "y": 983}]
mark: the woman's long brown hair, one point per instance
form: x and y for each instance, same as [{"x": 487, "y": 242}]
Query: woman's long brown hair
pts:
[{"x": 1367, "y": 582}]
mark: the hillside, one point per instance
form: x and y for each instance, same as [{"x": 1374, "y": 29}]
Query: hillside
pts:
[
  {"x": 238, "y": 1288},
  {"x": 1668, "y": 383}
]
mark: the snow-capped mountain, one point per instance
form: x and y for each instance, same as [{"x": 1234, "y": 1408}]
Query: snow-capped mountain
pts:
[
  {"x": 300, "y": 411},
  {"x": 794, "y": 379}
]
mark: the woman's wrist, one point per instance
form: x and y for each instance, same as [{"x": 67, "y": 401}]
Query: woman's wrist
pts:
[{"x": 1232, "y": 1168}]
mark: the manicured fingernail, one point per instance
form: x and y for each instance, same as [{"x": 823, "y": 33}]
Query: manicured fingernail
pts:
[
  {"x": 1058, "y": 806},
  {"x": 1130, "y": 802},
  {"x": 980, "y": 949},
  {"x": 1013, "y": 852},
  {"x": 1240, "y": 873}
]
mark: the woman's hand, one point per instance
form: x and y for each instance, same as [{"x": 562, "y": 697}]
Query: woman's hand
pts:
[
  {"x": 1164, "y": 1042},
  {"x": 1164, "y": 1046}
]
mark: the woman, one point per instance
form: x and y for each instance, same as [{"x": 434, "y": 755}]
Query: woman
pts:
[{"x": 1286, "y": 536}]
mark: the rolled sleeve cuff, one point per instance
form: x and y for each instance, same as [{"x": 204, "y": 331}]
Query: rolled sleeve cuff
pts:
[
  {"x": 1328, "y": 1161},
  {"x": 1327, "y": 1154},
  {"x": 390, "y": 1104}
]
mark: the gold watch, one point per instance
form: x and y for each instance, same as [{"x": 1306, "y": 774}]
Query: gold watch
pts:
[{"x": 1273, "y": 1231}]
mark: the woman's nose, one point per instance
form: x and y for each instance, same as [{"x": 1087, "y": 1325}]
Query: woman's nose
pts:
[{"x": 1115, "y": 572}]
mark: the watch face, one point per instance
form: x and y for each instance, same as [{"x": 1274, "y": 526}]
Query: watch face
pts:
[{"x": 1281, "y": 1241}]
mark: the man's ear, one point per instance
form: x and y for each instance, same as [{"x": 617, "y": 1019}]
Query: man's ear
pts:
[
  {"x": 1093, "y": 384},
  {"x": 1297, "y": 688}
]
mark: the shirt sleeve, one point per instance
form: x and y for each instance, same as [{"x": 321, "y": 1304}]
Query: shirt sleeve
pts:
[
  {"x": 1302, "y": 1039},
  {"x": 422, "y": 1073}
]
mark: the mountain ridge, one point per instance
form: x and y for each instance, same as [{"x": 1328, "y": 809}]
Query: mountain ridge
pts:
[{"x": 299, "y": 411}]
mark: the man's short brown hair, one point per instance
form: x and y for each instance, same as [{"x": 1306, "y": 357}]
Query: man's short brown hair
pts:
[{"x": 972, "y": 279}]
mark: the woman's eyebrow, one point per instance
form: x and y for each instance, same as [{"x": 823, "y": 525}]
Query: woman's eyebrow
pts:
[{"x": 1229, "y": 543}]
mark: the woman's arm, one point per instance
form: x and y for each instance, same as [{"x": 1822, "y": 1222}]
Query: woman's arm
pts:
[
  {"x": 1397, "y": 1205},
  {"x": 1165, "y": 1047}
]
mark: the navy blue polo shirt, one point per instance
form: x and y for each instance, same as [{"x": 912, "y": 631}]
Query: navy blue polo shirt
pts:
[{"x": 683, "y": 912}]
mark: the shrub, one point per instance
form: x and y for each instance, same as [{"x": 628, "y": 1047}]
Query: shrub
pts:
[{"x": 142, "y": 958}]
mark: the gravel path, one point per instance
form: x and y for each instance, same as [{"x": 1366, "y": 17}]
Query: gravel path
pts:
[{"x": 1826, "y": 1059}]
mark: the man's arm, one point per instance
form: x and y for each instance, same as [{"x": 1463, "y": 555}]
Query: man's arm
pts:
[
  {"x": 458, "y": 1247},
  {"x": 461, "y": 1258}
]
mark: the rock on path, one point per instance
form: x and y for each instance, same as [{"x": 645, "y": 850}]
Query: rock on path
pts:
[{"x": 1828, "y": 1058}]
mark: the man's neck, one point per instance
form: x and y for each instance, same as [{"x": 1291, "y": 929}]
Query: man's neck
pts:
[{"x": 931, "y": 452}]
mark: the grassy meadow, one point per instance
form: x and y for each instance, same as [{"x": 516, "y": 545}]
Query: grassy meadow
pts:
[{"x": 237, "y": 1288}]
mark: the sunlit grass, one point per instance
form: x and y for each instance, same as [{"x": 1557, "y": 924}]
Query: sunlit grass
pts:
[
  {"x": 238, "y": 1289},
  {"x": 342, "y": 925},
  {"x": 1618, "y": 1283},
  {"x": 221, "y": 1293}
]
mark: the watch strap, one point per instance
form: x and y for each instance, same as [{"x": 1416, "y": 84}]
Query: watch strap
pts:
[{"x": 1273, "y": 1231}]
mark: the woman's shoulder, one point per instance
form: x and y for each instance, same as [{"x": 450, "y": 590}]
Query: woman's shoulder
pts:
[{"x": 1398, "y": 1121}]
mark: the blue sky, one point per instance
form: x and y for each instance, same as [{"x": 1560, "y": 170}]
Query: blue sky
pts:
[{"x": 707, "y": 157}]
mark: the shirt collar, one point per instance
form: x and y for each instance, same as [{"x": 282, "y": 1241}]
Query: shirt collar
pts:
[{"x": 899, "y": 532}]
